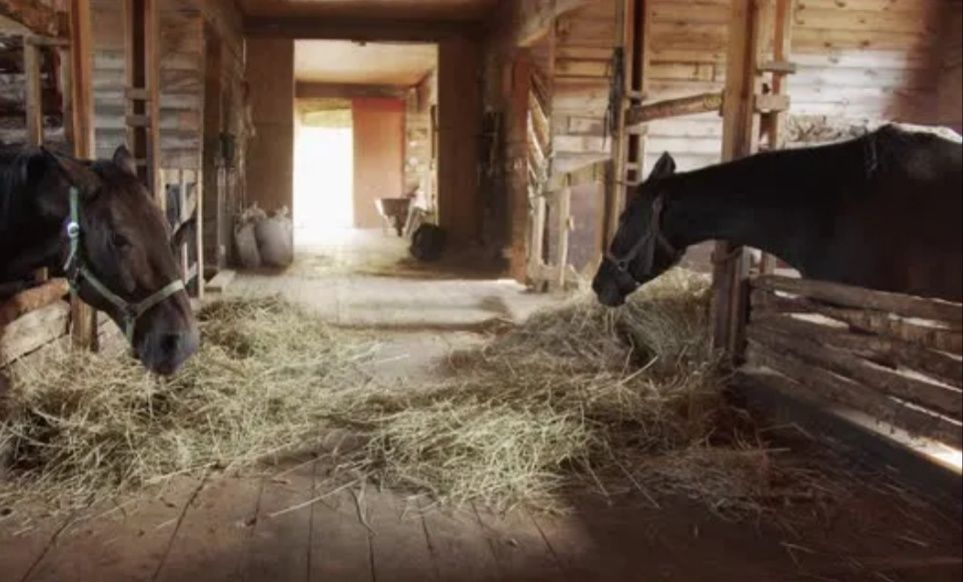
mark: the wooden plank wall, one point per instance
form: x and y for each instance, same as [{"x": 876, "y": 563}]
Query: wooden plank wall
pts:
[
  {"x": 949, "y": 109},
  {"x": 182, "y": 87},
  {"x": 859, "y": 60},
  {"x": 584, "y": 40},
  {"x": 419, "y": 161}
]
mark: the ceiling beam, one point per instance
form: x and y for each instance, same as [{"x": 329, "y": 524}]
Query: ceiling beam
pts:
[
  {"x": 372, "y": 30},
  {"x": 36, "y": 17},
  {"x": 320, "y": 90}
]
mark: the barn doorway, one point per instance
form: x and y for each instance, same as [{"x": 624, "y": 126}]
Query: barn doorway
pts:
[
  {"x": 323, "y": 171},
  {"x": 362, "y": 135}
]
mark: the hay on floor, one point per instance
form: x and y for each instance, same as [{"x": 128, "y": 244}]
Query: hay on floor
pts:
[{"x": 618, "y": 400}]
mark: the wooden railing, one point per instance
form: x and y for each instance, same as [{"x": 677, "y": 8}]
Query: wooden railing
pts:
[
  {"x": 555, "y": 200},
  {"x": 184, "y": 212},
  {"x": 894, "y": 357}
]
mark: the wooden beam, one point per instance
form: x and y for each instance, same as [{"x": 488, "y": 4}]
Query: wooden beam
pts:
[
  {"x": 141, "y": 43},
  {"x": 946, "y": 312},
  {"x": 748, "y": 26},
  {"x": 934, "y": 397},
  {"x": 563, "y": 213},
  {"x": 359, "y": 30},
  {"x": 33, "y": 90},
  {"x": 531, "y": 27},
  {"x": 316, "y": 90},
  {"x": 703, "y": 103},
  {"x": 36, "y": 17},
  {"x": 82, "y": 316}
]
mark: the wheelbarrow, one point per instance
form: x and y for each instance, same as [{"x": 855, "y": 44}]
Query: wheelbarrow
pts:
[{"x": 394, "y": 212}]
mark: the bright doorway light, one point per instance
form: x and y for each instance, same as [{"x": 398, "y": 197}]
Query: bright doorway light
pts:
[{"x": 323, "y": 181}]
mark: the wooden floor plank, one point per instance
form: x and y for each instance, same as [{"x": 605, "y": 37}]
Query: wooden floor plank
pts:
[
  {"x": 340, "y": 544},
  {"x": 399, "y": 548},
  {"x": 214, "y": 533},
  {"x": 518, "y": 547},
  {"x": 24, "y": 547},
  {"x": 279, "y": 547},
  {"x": 458, "y": 546},
  {"x": 126, "y": 544}
]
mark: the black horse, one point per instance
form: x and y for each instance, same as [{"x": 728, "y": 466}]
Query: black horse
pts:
[
  {"x": 96, "y": 223},
  {"x": 882, "y": 211}
]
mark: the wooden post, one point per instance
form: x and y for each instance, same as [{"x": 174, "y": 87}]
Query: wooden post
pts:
[
  {"x": 517, "y": 155},
  {"x": 747, "y": 34},
  {"x": 32, "y": 60},
  {"x": 143, "y": 83},
  {"x": 775, "y": 121},
  {"x": 83, "y": 317},
  {"x": 563, "y": 208}
]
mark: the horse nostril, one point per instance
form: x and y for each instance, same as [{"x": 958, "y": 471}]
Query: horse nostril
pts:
[{"x": 170, "y": 343}]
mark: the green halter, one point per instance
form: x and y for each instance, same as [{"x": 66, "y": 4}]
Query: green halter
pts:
[{"x": 76, "y": 270}]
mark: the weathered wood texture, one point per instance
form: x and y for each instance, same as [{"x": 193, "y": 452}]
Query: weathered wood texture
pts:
[
  {"x": 181, "y": 41},
  {"x": 460, "y": 206},
  {"x": 866, "y": 59},
  {"x": 585, "y": 39},
  {"x": 815, "y": 334},
  {"x": 270, "y": 164},
  {"x": 949, "y": 110},
  {"x": 40, "y": 17}
]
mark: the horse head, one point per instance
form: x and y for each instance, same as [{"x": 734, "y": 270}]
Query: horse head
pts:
[
  {"x": 117, "y": 254},
  {"x": 640, "y": 251}
]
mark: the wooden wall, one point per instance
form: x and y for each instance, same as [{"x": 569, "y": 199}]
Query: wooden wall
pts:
[
  {"x": 419, "y": 151},
  {"x": 270, "y": 156},
  {"x": 182, "y": 87},
  {"x": 584, "y": 40},
  {"x": 859, "y": 60},
  {"x": 379, "y": 136},
  {"x": 949, "y": 108}
]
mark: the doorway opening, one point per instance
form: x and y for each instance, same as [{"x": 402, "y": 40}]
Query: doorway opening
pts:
[
  {"x": 323, "y": 171},
  {"x": 363, "y": 135}
]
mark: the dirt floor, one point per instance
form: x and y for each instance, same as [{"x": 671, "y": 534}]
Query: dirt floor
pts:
[{"x": 285, "y": 523}]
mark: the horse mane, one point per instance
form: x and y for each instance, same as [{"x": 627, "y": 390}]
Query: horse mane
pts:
[{"x": 14, "y": 194}]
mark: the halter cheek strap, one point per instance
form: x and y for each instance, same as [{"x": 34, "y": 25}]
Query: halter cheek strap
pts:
[
  {"x": 646, "y": 245},
  {"x": 77, "y": 271}
]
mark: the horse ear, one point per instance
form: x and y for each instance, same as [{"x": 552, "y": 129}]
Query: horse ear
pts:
[
  {"x": 664, "y": 168},
  {"x": 125, "y": 161},
  {"x": 75, "y": 172}
]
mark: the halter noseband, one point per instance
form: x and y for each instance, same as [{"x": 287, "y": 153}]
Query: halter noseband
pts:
[
  {"x": 646, "y": 245},
  {"x": 76, "y": 270}
]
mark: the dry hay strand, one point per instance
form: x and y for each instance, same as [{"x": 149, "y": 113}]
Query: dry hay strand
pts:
[
  {"x": 81, "y": 426},
  {"x": 620, "y": 400}
]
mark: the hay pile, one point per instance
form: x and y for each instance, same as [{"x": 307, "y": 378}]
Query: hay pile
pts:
[
  {"x": 81, "y": 426},
  {"x": 621, "y": 400}
]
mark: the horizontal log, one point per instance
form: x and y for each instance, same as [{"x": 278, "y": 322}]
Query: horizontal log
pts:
[
  {"x": 37, "y": 17},
  {"x": 695, "y": 104},
  {"x": 33, "y": 331},
  {"x": 892, "y": 352},
  {"x": 874, "y": 322},
  {"x": 593, "y": 173},
  {"x": 834, "y": 388},
  {"x": 940, "y": 399},
  {"x": 32, "y": 299},
  {"x": 849, "y": 296},
  {"x": 407, "y": 30}
]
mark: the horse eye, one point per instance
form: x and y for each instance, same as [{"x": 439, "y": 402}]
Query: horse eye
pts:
[{"x": 119, "y": 241}]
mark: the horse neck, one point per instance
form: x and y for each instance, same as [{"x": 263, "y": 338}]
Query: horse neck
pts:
[
  {"x": 768, "y": 201},
  {"x": 28, "y": 240}
]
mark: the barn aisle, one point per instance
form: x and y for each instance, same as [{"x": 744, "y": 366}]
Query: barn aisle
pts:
[{"x": 290, "y": 523}]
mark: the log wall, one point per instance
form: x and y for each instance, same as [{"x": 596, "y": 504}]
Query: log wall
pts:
[
  {"x": 584, "y": 40},
  {"x": 893, "y": 357}
]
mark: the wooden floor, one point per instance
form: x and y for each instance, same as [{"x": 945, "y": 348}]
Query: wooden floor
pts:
[{"x": 289, "y": 523}]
